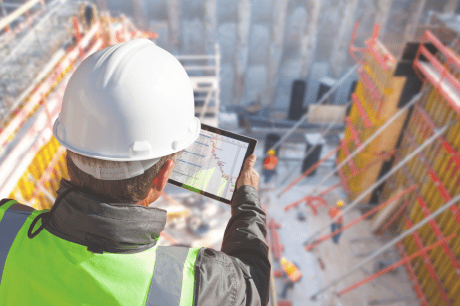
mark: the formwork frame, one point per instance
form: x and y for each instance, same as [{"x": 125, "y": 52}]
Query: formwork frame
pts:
[
  {"x": 362, "y": 217},
  {"x": 41, "y": 154},
  {"x": 387, "y": 246},
  {"x": 428, "y": 262},
  {"x": 404, "y": 261},
  {"x": 437, "y": 170},
  {"x": 420, "y": 201},
  {"x": 22, "y": 10}
]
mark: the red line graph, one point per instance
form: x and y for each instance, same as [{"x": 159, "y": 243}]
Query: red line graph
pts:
[{"x": 219, "y": 163}]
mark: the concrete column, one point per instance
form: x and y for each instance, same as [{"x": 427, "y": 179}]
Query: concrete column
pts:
[
  {"x": 139, "y": 15},
  {"x": 450, "y": 6},
  {"x": 383, "y": 9},
  {"x": 102, "y": 5},
  {"x": 414, "y": 19},
  {"x": 175, "y": 24},
  {"x": 309, "y": 39},
  {"x": 342, "y": 41},
  {"x": 241, "y": 60},
  {"x": 210, "y": 23},
  {"x": 276, "y": 46}
]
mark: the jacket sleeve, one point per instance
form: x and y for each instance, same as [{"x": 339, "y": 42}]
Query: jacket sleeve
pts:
[{"x": 240, "y": 273}]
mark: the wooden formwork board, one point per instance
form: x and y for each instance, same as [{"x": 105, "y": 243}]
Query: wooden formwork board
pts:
[
  {"x": 326, "y": 114},
  {"x": 26, "y": 190}
]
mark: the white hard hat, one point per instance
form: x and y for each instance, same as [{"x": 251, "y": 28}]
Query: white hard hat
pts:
[{"x": 129, "y": 102}]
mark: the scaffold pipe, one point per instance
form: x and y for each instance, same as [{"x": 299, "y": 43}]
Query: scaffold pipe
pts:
[
  {"x": 348, "y": 178},
  {"x": 393, "y": 218},
  {"x": 4, "y": 22},
  {"x": 387, "y": 246},
  {"x": 309, "y": 170},
  {"x": 364, "y": 216},
  {"x": 369, "y": 140},
  {"x": 396, "y": 264},
  {"x": 380, "y": 181},
  {"x": 321, "y": 101},
  {"x": 361, "y": 218},
  {"x": 326, "y": 131}
]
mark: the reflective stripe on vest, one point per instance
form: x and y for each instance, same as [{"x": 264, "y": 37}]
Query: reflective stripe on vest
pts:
[
  {"x": 9, "y": 228},
  {"x": 65, "y": 273},
  {"x": 172, "y": 277}
]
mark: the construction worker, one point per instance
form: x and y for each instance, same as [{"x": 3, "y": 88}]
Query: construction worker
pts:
[
  {"x": 292, "y": 273},
  {"x": 269, "y": 166},
  {"x": 128, "y": 111},
  {"x": 333, "y": 212}
]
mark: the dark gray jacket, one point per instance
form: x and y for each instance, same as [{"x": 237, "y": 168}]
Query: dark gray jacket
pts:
[{"x": 237, "y": 275}]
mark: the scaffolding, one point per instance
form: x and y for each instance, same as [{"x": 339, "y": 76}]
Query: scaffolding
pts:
[{"x": 418, "y": 189}]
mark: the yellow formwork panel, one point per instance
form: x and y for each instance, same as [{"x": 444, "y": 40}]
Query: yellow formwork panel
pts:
[
  {"x": 446, "y": 170},
  {"x": 427, "y": 283},
  {"x": 25, "y": 188},
  {"x": 379, "y": 76},
  {"x": 371, "y": 114}
]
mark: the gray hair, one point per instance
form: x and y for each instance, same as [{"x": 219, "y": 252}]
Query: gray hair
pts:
[{"x": 129, "y": 190}]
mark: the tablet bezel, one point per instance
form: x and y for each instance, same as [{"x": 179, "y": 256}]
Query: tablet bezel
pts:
[{"x": 251, "y": 147}]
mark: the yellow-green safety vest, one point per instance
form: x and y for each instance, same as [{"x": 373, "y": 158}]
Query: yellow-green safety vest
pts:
[{"x": 48, "y": 270}]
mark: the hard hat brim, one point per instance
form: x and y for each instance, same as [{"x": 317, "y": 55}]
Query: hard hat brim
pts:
[{"x": 193, "y": 133}]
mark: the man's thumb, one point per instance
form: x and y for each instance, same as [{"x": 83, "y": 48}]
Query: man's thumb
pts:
[{"x": 250, "y": 161}]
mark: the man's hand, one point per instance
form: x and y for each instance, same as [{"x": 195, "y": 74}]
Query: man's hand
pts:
[{"x": 249, "y": 176}]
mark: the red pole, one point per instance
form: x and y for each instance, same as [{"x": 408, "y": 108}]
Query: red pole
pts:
[
  {"x": 169, "y": 238},
  {"x": 169, "y": 199},
  {"x": 415, "y": 283},
  {"x": 395, "y": 216},
  {"x": 395, "y": 198},
  {"x": 353, "y": 131},
  {"x": 351, "y": 162},
  {"x": 428, "y": 263},
  {"x": 395, "y": 265},
  {"x": 345, "y": 179},
  {"x": 375, "y": 33}
]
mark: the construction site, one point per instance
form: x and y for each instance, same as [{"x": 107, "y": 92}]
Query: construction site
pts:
[{"x": 358, "y": 100}]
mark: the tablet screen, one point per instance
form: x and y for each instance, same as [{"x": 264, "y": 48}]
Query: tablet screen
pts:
[{"x": 212, "y": 164}]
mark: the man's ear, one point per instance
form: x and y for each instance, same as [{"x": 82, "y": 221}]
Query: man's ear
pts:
[{"x": 163, "y": 175}]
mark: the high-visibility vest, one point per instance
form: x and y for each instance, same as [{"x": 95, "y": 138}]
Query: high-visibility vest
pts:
[
  {"x": 334, "y": 211},
  {"x": 292, "y": 272},
  {"x": 48, "y": 270},
  {"x": 270, "y": 162}
]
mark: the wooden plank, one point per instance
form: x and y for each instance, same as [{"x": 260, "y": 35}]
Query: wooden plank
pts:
[{"x": 325, "y": 114}]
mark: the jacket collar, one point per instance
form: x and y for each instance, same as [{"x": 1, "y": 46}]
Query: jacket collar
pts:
[{"x": 105, "y": 227}]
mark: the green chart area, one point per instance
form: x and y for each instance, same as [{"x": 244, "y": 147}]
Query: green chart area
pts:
[{"x": 210, "y": 165}]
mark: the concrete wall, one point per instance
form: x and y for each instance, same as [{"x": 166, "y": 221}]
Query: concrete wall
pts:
[{"x": 250, "y": 34}]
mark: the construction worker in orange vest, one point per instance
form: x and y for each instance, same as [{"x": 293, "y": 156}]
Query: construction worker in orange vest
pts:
[
  {"x": 269, "y": 166},
  {"x": 334, "y": 211},
  {"x": 292, "y": 273}
]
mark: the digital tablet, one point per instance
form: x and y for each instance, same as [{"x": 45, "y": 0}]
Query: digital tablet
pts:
[{"x": 212, "y": 164}]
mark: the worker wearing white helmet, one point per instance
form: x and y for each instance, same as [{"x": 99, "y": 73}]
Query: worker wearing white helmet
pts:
[{"x": 128, "y": 111}]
